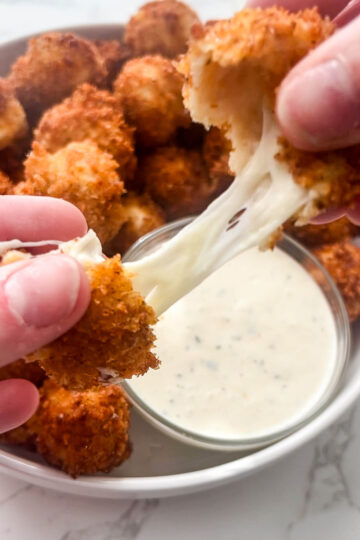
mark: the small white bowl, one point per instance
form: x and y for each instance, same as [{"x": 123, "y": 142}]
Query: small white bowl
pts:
[{"x": 160, "y": 466}]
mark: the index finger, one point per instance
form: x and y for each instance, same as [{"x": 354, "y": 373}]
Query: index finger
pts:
[
  {"x": 325, "y": 7},
  {"x": 30, "y": 219}
]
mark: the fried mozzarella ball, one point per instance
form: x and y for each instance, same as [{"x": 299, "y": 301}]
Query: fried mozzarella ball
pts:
[
  {"x": 316, "y": 235},
  {"x": 216, "y": 151},
  {"x": 82, "y": 432},
  {"x": 52, "y": 67},
  {"x": 342, "y": 261},
  {"x": 160, "y": 28},
  {"x": 82, "y": 174},
  {"x": 233, "y": 69},
  {"x": 113, "y": 340},
  {"x": 89, "y": 113},
  {"x": 142, "y": 215},
  {"x": 114, "y": 53},
  {"x": 149, "y": 89},
  {"x": 13, "y": 123},
  {"x": 176, "y": 179}
]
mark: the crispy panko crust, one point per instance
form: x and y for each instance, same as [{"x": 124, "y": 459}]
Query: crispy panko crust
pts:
[
  {"x": 23, "y": 370},
  {"x": 216, "y": 151},
  {"x": 82, "y": 432},
  {"x": 13, "y": 123},
  {"x": 52, "y": 67},
  {"x": 113, "y": 339},
  {"x": 335, "y": 175},
  {"x": 92, "y": 114},
  {"x": 342, "y": 261},
  {"x": 176, "y": 179},
  {"x": 316, "y": 235},
  {"x": 149, "y": 89},
  {"x": 142, "y": 216},
  {"x": 82, "y": 174},
  {"x": 160, "y": 28},
  {"x": 115, "y": 54}
]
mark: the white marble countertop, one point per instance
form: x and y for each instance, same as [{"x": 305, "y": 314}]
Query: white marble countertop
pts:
[{"x": 314, "y": 493}]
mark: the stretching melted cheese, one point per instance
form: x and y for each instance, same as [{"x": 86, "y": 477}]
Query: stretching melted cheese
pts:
[{"x": 265, "y": 195}]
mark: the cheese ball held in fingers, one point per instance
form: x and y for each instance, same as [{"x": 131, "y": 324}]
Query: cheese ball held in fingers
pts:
[
  {"x": 89, "y": 113},
  {"x": 82, "y": 174},
  {"x": 177, "y": 180},
  {"x": 52, "y": 67},
  {"x": 82, "y": 432},
  {"x": 160, "y": 28},
  {"x": 149, "y": 89},
  {"x": 113, "y": 340}
]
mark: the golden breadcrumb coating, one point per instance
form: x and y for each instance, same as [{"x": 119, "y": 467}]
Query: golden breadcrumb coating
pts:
[
  {"x": 82, "y": 174},
  {"x": 92, "y": 114},
  {"x": 216, "y": 152},
  {"x": 150, "y": 91},
  {"x": 142, "y": 215},
  {"x": 13, "y": 124},
  {"x": 52, "y": 67},
  {"x": 335, "y": 175},
  {"x": 176, "y": 179},
  {"x": 82, "y": 432},
  {"x": 342, "y": 261},
  {"x": 23, "y": 370},
  {"x": 160, "y": 28},
  {"x": 113, "y": 339},
  {"x": 114, "y": 53},
  {"x": 316, "y": 235}
]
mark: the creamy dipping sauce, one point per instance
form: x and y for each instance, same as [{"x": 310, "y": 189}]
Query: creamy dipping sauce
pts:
[{"x": 249, "y": 352}]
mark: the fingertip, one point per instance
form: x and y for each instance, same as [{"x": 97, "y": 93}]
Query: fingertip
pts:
[{"x": 19, "y": 400}]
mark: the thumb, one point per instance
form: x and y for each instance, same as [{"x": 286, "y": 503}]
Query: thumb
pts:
[
  {"x": 318, "y": 104},
  {"x": 40, "y": 299}
]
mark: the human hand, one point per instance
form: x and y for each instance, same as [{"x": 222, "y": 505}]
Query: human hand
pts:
[
  {"x": 318, "y": 103},
  {"x": 40, "y": 298}
]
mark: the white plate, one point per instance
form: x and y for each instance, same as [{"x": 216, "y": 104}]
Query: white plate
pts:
[{"x": 160, "y": 466}]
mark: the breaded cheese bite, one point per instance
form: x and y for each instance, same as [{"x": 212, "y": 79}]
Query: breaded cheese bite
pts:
[
  {"x": 82, "y": 432},
  {"x": 113, "y": 340},
  {"x": 233, "y": 69},
  {"x": 149, "y": 89},
  {"x": 82, "y": 174},
  {"x": 89, "y": 113},
  {"x": 160, "y": 28},
  {"x": 52, "y": 67},
  {"x": 177, "y": 180}
]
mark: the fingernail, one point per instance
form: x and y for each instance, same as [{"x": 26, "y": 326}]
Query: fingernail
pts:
[
  {"x": 45, "y": 291},
  {"x": 320, "y": 105}
]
